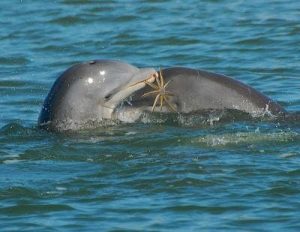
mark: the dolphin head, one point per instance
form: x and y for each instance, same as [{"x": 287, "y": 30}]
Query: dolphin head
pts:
[{"x": 91, "y": 91}]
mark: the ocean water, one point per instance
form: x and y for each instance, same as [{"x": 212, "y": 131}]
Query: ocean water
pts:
[{"x": 195, "y": 174}]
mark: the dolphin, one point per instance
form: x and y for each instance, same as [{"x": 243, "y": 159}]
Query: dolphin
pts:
[{"x": 90, "y": 92}]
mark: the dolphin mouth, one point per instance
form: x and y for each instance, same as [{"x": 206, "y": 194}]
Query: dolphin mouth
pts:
[{"x": 139, "y": 81}]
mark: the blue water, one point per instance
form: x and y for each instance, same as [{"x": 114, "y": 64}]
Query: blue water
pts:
[{"x": 154, "y": 175}]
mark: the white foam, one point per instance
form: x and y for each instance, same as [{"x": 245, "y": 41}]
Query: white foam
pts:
[{"x": 12, "y": 161}]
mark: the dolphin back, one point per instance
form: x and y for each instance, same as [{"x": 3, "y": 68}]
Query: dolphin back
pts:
[{"x": 201, "y": 90}]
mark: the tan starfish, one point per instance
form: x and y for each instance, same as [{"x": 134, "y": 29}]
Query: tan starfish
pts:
[{"x": 162, "y": 95}]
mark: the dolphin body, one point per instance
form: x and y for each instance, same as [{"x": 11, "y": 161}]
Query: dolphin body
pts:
[{"x": 111, "y": 90}]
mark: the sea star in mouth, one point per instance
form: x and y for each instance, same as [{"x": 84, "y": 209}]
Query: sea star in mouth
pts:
[{"x": 162, "y": 95}]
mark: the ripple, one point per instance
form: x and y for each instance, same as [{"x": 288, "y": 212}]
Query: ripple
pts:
[
  {"x": 12, "y": 83},
  {"x": 176, "y": 41},
  {"x": 126, "y": 18},
  {"x": 27, "y": 209},
  {"x": 241, "y": 139},
  {"x": 68, "y": 21},
  {"x": 209, "y": 209},
  {"x": 15, "y": 128},
  {"x": 54, "y": 48},
  {"x": 295, "y": 172},
  {"x": 281, "y": 190},
  {"x": 81, "y": 2},
  {"x": 14, "y": 60},
  {"x": 258, "y": 41},
  {"x": 12, "y": 161}
]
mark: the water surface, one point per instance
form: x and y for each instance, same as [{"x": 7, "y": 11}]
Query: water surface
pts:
[{"x": 155, "y": 175}]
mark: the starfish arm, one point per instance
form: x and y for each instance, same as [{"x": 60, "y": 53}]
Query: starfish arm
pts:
[
  {"x": 165, "y": 86},
  {"x": 161, "y": 77},
  {"x": 152, "y": 85},
  {"x": 161, "y": 102},
  {"x": 150, "y": 93},
  {"x": 155, "y": 101},
  {"x": 158, "y": 82},
  {"x": 169, "y": 104}
]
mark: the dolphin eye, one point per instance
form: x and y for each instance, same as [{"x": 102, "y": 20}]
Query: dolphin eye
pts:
[{"x": 108, "y": 96}]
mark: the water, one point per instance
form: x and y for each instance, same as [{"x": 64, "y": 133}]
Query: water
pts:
[{"x": 155, "y": 175}]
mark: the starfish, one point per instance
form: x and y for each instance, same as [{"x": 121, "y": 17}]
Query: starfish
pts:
[{"x": 162, "y": 95}]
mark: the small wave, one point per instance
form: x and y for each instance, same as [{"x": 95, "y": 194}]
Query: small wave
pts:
[
  {"x": 34, "y": 208},
  {"x": 53, "y": 48},
  {"x": 216, "y": 117},
  {"x": 68, "y": 21},
  {"x": 76, "y": 2},
  {"x": 14, "y": 61},
  {"x": 289, "y": 154},
  {"x": 292, "y": 117},
  {"x": 254, "y": 41},
  {"x": 15, "y": 128},
  {"x": 126, "y": 18},
  {"x": 176, "y": 41},
  {"x": 12, "y": 128},
  {"x": 12, "y": 83},
  {"x": 70, "y": 125},
  {"x": 199, "y": 118},
  {"x": 244, "y": 138},
  {"x": 12, "y": 161}
]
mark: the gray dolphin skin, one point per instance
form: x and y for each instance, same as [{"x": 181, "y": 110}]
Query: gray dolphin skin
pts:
[
  {"x": 104, "y": 89},
  {"x": 90, "y": 92},
  {"x": 195, "y": 90}
]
